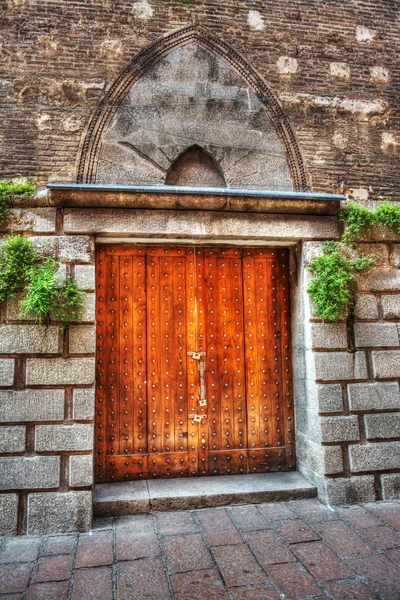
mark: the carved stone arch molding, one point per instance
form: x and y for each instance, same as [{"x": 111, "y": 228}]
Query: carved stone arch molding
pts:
[{"x": 150, "y": 56}]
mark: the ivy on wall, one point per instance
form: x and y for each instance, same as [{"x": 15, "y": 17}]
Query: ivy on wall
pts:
[
  {"x": 333, "y": 288},
  {"x": 9, "y": 188}
]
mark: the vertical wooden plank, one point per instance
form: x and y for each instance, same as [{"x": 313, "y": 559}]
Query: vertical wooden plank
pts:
[
  {"x": 180, "y": 441},
  {"x": 101, "y": 370},
  {"x": 203, "y": 363},
  {"x": 192, "y": 373},
  {"x": 126, "y": 349},
  {"x": 139, "y": 366}
]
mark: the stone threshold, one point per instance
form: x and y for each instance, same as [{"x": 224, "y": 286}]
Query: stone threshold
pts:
[{"x": 134, "y": 497}]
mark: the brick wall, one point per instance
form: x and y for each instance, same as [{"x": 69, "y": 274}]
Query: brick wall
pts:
[{"x": 333, "y": 65}]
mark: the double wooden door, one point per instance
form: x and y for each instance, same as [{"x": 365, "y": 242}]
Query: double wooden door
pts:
[{"x": 193, "y": 362}]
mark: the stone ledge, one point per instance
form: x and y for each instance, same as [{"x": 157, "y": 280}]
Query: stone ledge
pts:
[{"x": 113, "y": 499}]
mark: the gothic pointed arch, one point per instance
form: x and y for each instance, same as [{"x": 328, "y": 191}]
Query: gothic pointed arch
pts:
[
  {"x": 195, "y": 166},
  {"x": 148, "y": 58}
]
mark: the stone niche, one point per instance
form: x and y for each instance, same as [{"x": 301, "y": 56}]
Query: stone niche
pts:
[{"x": 191, "y": 120}]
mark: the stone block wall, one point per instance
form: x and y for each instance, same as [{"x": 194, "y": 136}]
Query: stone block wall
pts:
[
  {"x": 350, "y": 447},
  {"x": 47, "y": 398}
]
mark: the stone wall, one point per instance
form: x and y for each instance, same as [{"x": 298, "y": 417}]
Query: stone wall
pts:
[
  {"x": 348, "y": 404},
  {"x": 333, "y": 66},
  {"x": 47, "y": 398}
]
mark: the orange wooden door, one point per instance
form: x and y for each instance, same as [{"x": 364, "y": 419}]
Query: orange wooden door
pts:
[{"x": 193, "y": 362}]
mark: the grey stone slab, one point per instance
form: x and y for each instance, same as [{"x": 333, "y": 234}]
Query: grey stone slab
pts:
[
  {"x": 38, "y": 220},
  {"x": 12, "y": 439},
  {"x": 82, "y": 339},
  {"x": 85, "y": 276},
  {"x": 374, "y": 396},
  {"x": 366, "y": 307},
  {"x": 386, "y": 363},
  {"x": 60, "y": 371},
  {"x": 83, "y": 404},
  {"x": 391, "y": 306},
  {"x": 183, "y": 494},
  {"x": 332, "y": 366},
  {"x": 340, "y": 429},
  {"x": 383, "y": 426},
  {"x": 66, "y": 249},
  {"x": 333, "y": 460},
  {"x": 56, "y": 512},
  {"x": 24, "y": 339},
  {"x": 198, "y": 224},
  {"x": 9, "y": 514},
  {"x": 7, "y": 371},
  {"x": 329, "y": 335},
  {"x": 63, "y": 437},
  {"x": 32, "y": 405},
  {"x": 350, "y": 490},
  {"x": 121, "y": 498},
  {"x": 374, "y": 457},
  {"x": 330, "y": 397},
  {"x": 390, "y": 486},
  {"x": 88, "y": 313},
  {"x": 81, "y": 470},
  {"x": 380, "y": 280},
  {"x": 376, "y": 334},
  {"x": 29, "y": 472}
]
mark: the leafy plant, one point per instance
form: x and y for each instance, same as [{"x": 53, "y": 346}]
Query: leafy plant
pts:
[
  {"x": 333, "y": 287},
  {"x": 17, "y": 257},
  {"x": 44, "y": 294},
  {"x": 19, "y": 186},
  {"x": 359, "y": 219},
  {"x": 388, "y": 214}
]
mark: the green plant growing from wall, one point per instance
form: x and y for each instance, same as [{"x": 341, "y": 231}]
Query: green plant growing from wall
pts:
[
  {"x": 44, "y": 294},
  {"x": 9, "y": 188},
  {"x": 359, "y": 220}
]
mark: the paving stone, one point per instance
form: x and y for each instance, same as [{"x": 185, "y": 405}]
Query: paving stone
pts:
[
  {"x": 313, "y": 511},
  {"x": 95, "y": 550},
  {"x": 59, "y": 544},
  {"x": 388, "y": 512},
  {"x": 141, "y": 579},
  {"x": 358, "y": 517},
  {"x": 394, "y": 555},
  {"x": 14, "y": 579},
  {"x": 374, "y": 396},
  {"x": 266, "y": 592},
  {"x": 101, "y": 524},
  {"x": 294, "y": 580},
  {"x": 383, "y": 537},
  {"x": 238, "y": 566},
  {"x": 218, "y": 527},
  {"x": 53, "y": 568},
  {"x": 248, "y": 518},
  {"x": 295, "y": 531},
  {"x": 136, "y": 539},
  {"x": 269, "y": 548},
  {"x": 11, "y": 596},
  {"x": 277, "y": 512},
  {"x": 9, "y": 514},
  {"x": 55, "y": 590},
  {"x": 199, "y": 585},
  {"x": 343, "y": 540},
  {"x": 175, "y": 523},
  {"x": 322, "y": 562},
  {"x": 349, "y": 590},
  {"x": 21, "y": 549},
  {"x": 93, "y": 584},
  {"x": 382, "y": 574},
  {"x": 186, "y": 553}
]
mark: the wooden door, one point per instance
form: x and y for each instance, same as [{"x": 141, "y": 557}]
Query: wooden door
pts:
[{"x": 193, "y": 362}]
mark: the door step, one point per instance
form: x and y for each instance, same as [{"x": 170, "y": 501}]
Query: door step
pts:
[{"x": 133, "y": 497}]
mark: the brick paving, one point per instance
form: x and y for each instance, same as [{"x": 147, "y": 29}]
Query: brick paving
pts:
[{"x": 290, "y": 551}]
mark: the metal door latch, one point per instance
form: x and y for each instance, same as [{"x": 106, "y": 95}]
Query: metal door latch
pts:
[
  {"x": 197, "y": 418},
  {"x": 203, "y": 402},
  {"x": 196, "y": 355}
]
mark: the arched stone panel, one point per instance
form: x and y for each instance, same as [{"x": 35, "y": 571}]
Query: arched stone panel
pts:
[
  {"x": 111, "y": 130},
  {"x": 195, "y": 166}
]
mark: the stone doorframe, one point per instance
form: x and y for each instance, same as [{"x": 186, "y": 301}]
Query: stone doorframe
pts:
[{"x": 168, "y": 215}]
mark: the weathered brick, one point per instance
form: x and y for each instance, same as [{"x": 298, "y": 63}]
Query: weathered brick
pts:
[
  {"x": 66, "y": 249},
  {"x": 350, "y": 490},
  {"x": 374, "y": 457},
  {"x": 88, "y": 313},
  {"x": 80, "y": 470},
  {"x": 380, "y": 280},
  {"x": 29, "y": 472},
  {"x": 376, "y": 334},
  {"x": 366, "y": 307},
  {"x": 82, "y": 339},
  {"x": 339, "y": 429},
  {"x": 55, "y": 512},
  {"x": 29, "y": 339},
  {"x": 381, "y": 252},
  {"x": 32, "y": 405},
  {"x": 6, "y": 371},
  {"x": 382, "y": 426},
  {"x": 330, "y": 397},
  {"x": 329, "y": 335},
  {"x": 395, "y": 261},
  {"x": 63, "y": 437},
  {"x": 9, "y": 514},
  {"x": 60, "y": 371},
  {"x": 330, "y": 366},
  {"x": 333, "y": 460},
  {"x": 390, "y": 486},
  {"x": 83, "y": 404},
  {"x": 386, "y": 363},
  {"x": 391, "y": 306},
  {"x": 12, "y": 439},
  {"x": 373, "y": 396},
  {"x": 38, "y": 220},
  {"x": 85, "y": 276}
]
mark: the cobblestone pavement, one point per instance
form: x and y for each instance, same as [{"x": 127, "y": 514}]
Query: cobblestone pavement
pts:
[{"x": 266, "y": 552}]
